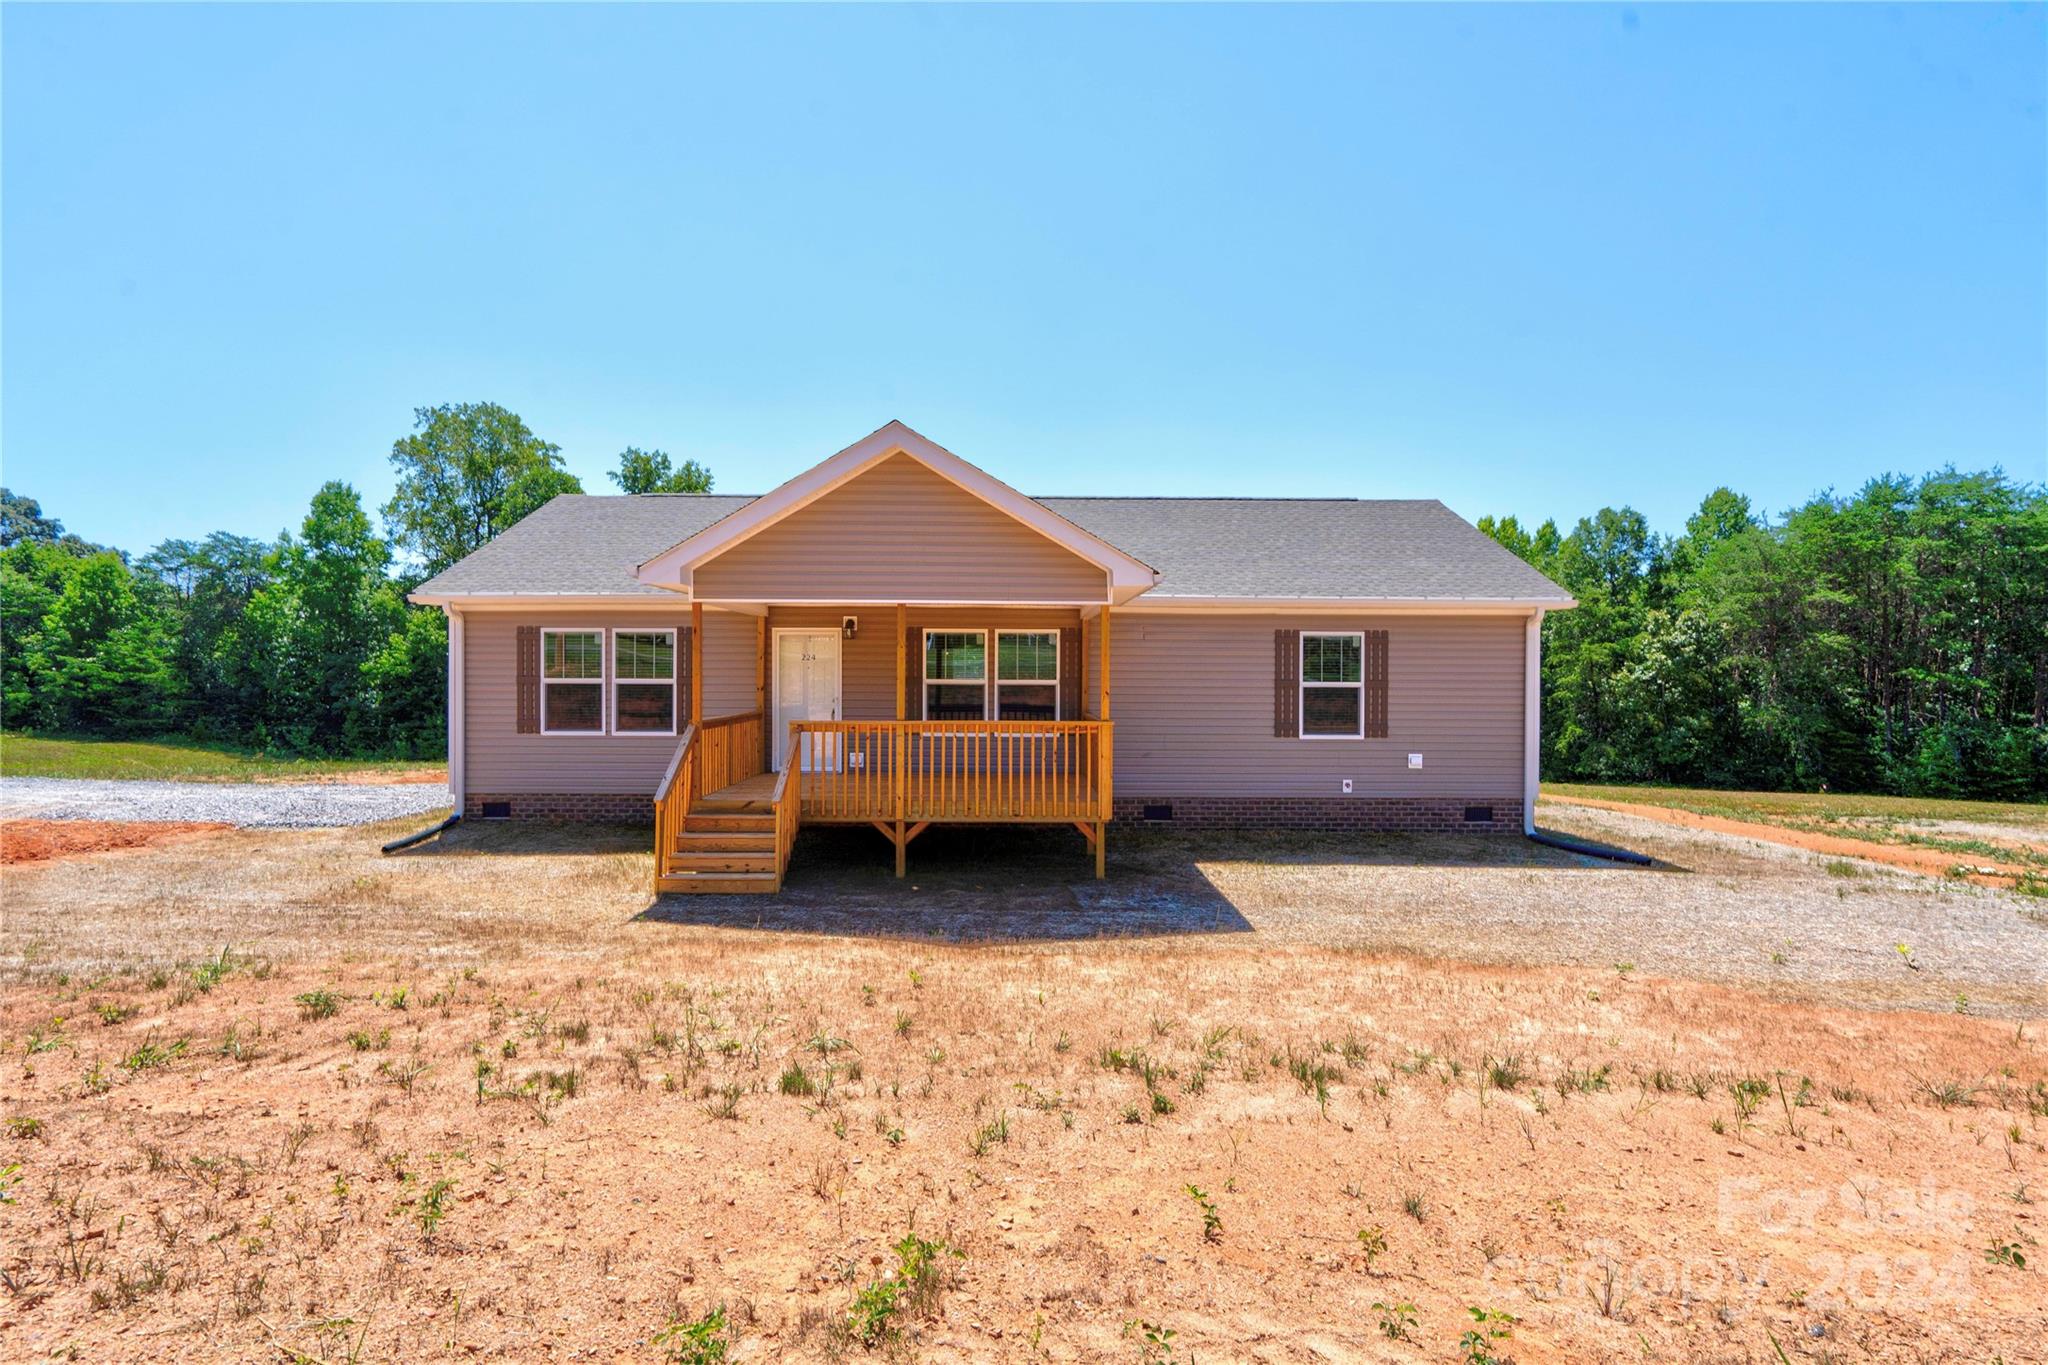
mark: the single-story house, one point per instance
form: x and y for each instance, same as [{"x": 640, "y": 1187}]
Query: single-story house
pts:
[{"x": 896, "y": 638}]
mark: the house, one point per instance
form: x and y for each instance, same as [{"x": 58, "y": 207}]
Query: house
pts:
[{"x": 896, "y": 638}]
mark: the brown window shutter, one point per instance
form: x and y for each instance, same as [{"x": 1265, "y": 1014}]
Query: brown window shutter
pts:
[
  {"x": 1375, "y": 684},
  {"x": 529, "y": 680},
  {"x": 913, "y": 674},
  {"x": 1070, "y": 673},
  {"x": 685, "y": 659},
  {"x": 1287, "y": 684}
]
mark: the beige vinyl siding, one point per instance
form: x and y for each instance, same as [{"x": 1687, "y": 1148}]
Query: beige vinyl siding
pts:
[
  {"x": 501, "y": 761},
  {"x": 1193, "y": 704},
  {"x": 729, "y": 655},
  {"x": 898, "y": 533}
]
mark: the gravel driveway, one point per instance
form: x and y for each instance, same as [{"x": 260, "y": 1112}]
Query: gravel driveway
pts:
[{"x": 253, "y": 805}]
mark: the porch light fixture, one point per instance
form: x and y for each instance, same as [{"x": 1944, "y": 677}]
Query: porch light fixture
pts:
[{"x": 849, "y": 626}]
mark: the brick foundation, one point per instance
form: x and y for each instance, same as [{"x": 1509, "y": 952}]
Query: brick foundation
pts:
[
  {"x": 1348, "y": 814},
  {"x": 572, "y": 807}
]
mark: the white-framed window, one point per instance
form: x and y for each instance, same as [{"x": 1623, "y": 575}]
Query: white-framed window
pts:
[
  {"x": 571, "y": 682},
  {"x": 956, "y": 675},
  {"x": 1332, "y": 685},
  {"x": 1027, "y": 675},
  {"x": 643, "y": 682}
]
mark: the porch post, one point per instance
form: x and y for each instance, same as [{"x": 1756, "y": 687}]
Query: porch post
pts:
[
  {"x": 902, "y": 644},
  {"x": 900, "y": 746},
  {"x": 1102, "y": 671},
  {"x": 696, "y": 663},
  {"x": 761, "y": 691},
  {"x": 1104, "y": 757}
]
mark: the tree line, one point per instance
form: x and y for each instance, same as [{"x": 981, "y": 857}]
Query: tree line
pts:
[
  {"x": 1892, "y": 641},
  {"x": 300, "y": 645}
]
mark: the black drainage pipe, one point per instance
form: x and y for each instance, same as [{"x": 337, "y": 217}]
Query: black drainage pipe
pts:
[
  {"x": 409, "y": 840},
  {"x": 1619, "y": 855}
]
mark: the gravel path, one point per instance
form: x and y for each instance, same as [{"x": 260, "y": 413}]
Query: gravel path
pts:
[{"x": 253, "y": 805}]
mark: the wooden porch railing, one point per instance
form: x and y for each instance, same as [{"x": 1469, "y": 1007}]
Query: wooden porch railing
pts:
[
  {"x": 731, "y": 748},
  {"x": 709, "y": 757},
  {"x": 979, "y": 771},
  {"x": 672, "y": 803},
  {"x": 788, "y": 816}
]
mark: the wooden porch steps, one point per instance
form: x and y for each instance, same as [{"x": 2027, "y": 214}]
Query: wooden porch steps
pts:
[{"x": 722, "y": 849}]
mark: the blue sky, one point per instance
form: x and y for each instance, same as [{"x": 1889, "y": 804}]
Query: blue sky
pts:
[{"x": 1523, "y": 259}]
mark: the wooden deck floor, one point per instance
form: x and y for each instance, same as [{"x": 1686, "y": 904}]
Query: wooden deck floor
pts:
[{"x": 748, "y": 795}]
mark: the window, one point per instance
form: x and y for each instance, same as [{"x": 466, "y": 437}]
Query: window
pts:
[
  {"x": 572, "y": 682},
  {"x": 644, "y": 682},
  {"x": 1332, "y": 686},
  {"x": 1027, "y": 675},
  {"x": 956, "y": 675}
]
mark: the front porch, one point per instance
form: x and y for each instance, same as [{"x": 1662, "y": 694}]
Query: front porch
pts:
[{"x": 737, "y": 793}]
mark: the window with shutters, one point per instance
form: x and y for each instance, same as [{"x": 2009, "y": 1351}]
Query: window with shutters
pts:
[
  {"x": 956, "y": 675},
  {"x": 1027, "y": 675},
  {"x": 572, "y": 682},
  {"x": 1332, "y": 685},
  {"x": 644, "y": 682}
]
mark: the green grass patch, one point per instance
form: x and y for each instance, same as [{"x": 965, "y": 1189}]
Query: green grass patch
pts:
[
  {"x": 173, "y": 759},
  {"x": 1873, "y": 819},
  {"x": 1815, "y": 810}
]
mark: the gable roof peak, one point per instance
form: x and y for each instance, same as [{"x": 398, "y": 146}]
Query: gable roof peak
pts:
[{"x": 674, "y": 566}]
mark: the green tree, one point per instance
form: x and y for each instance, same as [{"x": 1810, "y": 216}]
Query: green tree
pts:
[
  {"x": 405, "y": 689},
  {"x": 467, "y": 471},
  {"x": 649, "y": 471},
  {"x": 104, "y": 660}
]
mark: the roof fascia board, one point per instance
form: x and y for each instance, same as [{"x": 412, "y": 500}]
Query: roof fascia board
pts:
[
  {"x": 1126, "y": 573},
  {"x": 1420, "y": 606},
  {"x": 735, "y": 604},
  {"x": 536, "y": 601}
]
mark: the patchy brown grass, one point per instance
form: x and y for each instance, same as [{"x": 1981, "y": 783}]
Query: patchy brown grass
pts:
[
  {"x": 458, "y": 1105},
  {"x": 249, "y": 1171}
]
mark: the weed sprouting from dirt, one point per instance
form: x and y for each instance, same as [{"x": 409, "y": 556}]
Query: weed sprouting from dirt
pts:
[
  {"x": 696, "y": 1341},
  {"x": 911, "y": 1290}
]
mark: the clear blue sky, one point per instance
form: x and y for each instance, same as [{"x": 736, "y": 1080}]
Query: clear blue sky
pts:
[{"x": 1523, "y": 259}]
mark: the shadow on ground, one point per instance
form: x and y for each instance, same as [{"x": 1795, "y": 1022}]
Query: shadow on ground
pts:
[
  {"x": 1037, "y": 883},
  {"x": 1010, "y": 882}
]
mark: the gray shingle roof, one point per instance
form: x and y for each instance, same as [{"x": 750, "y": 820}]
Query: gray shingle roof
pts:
[
  {"x": 583, "y": 544},
  {"x": 1202, "y": 547},
  {"x": 1308, "y": 547}
]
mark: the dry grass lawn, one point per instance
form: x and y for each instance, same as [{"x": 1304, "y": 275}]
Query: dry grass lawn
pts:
[{"x": 477, "y": 1103}]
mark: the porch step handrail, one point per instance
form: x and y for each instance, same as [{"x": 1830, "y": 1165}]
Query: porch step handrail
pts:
[{"x": 672, "y": 800}]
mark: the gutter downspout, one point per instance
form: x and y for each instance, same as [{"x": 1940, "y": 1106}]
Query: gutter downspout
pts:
[
  {"x": 1532, "y": 716},
  {"x": 457, "y": 697}
]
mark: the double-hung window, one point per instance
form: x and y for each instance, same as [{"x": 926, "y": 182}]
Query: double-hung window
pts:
[
  {"x": 572, "y": 682},
  {"x": 956, "y": 675},
  {"x": 1332, "y": 685},
  {"x": 1027, "y": 675},
  {"x": 643, "y": 682}
]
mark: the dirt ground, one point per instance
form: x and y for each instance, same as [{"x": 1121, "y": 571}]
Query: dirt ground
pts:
[
  {"x": 1932, "y": 862},
  {"x": 274, "y": 1097},
  {"x": 40, "y": 841}
]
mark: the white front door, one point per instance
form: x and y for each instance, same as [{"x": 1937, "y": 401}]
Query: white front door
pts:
[{"x": 807, "y": 688}]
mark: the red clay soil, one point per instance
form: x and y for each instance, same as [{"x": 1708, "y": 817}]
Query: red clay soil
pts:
[
  {"x": 42, "y": 841},
  {"x": 1933, "y": 862},
  {"x": 408, "y": 777}
]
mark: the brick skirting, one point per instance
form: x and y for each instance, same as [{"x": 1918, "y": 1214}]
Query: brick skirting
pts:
[
  {"x": 565, "y": 806},
  {"x": 1363, "y": 814}
]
